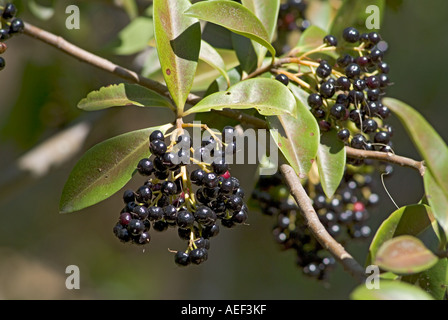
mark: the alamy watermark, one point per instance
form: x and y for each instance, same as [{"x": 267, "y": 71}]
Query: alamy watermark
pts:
[{"x": 73, "y": 281}]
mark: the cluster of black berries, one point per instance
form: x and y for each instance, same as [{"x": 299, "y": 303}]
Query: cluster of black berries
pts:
[
  {"x": 10, "y": 27},
  {"x": 349, "y": 93},
  {"x": 169, "y": 198},
  {"x": 344, "y": 216},
  {"x": 292, "y": 17}
]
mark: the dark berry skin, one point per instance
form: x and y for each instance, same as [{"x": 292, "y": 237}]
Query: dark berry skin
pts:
[
  {"x": 327, "y": 90},
  {"x": 143, "y": 239},
  {"x": 330, "y": 40},
  {"x": 4, "y": 34},
  {"x": 344, "y": 134},
  {"x": 210, "y": 180},
  {"x": 9, "y": 11},
  {"x": 155, "y": 213},
  {"x": 17, "y": 26},
  {"x": 239, "y": 192},
  {"x": 239, "y": 217},
  {"x": 345, "y": 60},
  {"x": 338, "y": 111},
  {"x": 210, "y": 231},
  {"x": 315, "y": 100},
  {"x": 282, "y": 78},
  {"x": 157, "y": 147},
  {"x": 170, "y": 213},
  {"x": 324, "y": 69},
  {"x": 373, "y": 82},
  {"x": 324, "y": 126},
  {"x": 128, "y": 196},
  {"x": 353, "y": 70},
  {"x": 358, "y": 142},
  {"x": 122, "y": 233},
  {"x": 383, "y": 67},
  {"x": 184, "y": 141},
  {"x": 373, "y": 94},
  {"x": 376, "y": 55},
  {"x": 343, "y": 83},
  {"x": 234, "y": 203},
  {"x": 125, "y": 218},
  {"x": 145, "y": 167},
  {"x": 162, "y": 175},
  {"x": 363, "y": 61},
  {"x": 383, "y": 112},
  {"x": 136, "y": 226},
  {"x": 182, "y": 258},
  {"x": 351, "y": 35},
  {"x": 205, "y": 215},
  {"x": 369, "y": 126},
  {"x": 359, "y": 84},
  {"x": 197, "y": 176},
  {"x": 160, "y": 225},
  {"x": 228, "y": 223},
  {"x": 185, "y": 219},
  {"x": 169, "y": 188},
  {"x": 382, "y": 137},
  {"x": 141, "y": 212},
  {"x": 198, "y": 256},
  {"x": 220, "y": 167},
  {"x": 374, "y": 37},
  {"x": 144, "y": 194},
  {"x": 156, "y": 135},
  {"x": 384, "y": 80}
]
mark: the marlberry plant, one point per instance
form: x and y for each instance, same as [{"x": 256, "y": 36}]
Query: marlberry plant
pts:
[{"x": 322, "y": 94}]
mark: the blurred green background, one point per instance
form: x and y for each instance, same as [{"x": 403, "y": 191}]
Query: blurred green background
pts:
[{"x": 39, "y": 90}]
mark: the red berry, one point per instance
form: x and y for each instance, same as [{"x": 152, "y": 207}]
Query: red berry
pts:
[
  {"x": 359, "y": 206},
  {"x": 226, "y": 175}
]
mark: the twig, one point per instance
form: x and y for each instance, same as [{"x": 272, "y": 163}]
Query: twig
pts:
[
  {"x": 316, "y": 227},
  {"x": 387, "y": 157}
]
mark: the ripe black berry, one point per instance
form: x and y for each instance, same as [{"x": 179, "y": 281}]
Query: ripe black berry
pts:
[
  {"x": 197, "y": 256},
  {"x": 182, "y": 258},
  {"x": 170, "y": 213},
  {"x": 185, "y": 219},
  {"x": 382, "y": 137},
  {"x": 282, "y": 78},
  {"x": 169, "y": 188},
  {"x": 4, "y": 34},
  {"x": 155, "y": 213},
  {"x": 383, "y": 112},
  {"x": 2, "y": 63},
  {"x": 376, "y": 55},
  {"x": 205, "y": 215},
  {"x": 144, "y": 194},
  {"x": 383, "y": 67},
  {"x": 157, "y": 147},
  {"x": 344, "y": 134},
  {"x": 330, "y": 40},
  {"x": 210, "y": 180},
  {"x": 324, "y": 69},
  {"x": 343, "y": 83},
  {"x": 345, "y": 60},
  {"x": 338, "y": 111},
  {"x": 143, "y": 239},
  {"x": 9, "y": 11},
  {"x": 358, "y": 142},
  {"x": 373, "y": 82},
  {"x": 369, "y": 126},
  {"x": 16, "y": 26},
  {"x": 327, "y": 90},
  {"x": 128, "y": 196},
  {"x": 374, "y": 37},
  {"x": 156, "y": 135},
  {"x": 351, "y": 35},
  {"x": 315, "y": 100},
  {"x": 136, "y": 227},
  {"x": 352, "y": 71},
  {"x": 234, "y": 203}
]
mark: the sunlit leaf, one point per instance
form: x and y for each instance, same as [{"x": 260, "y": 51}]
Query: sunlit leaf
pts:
[
  {"x": 105, "y": 169},
  {"x": 312, "y": 38},
  {"x": 234, "y": 17},
  {"x": 134, "y": 37},
  {"x": 268, "y": 96},
  {"x": 209, "y": 55},
  {"x": 123, "y": 94},
  {"x": 178, "y": 39},
  {"x": 404, "y": 255},
  {"x": 390, "y": 290},
  {"x": 330, "y": 162},
  {"x": 437, "y": 199}
]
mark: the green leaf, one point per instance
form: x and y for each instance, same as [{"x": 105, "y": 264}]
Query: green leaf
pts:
[
  {"x": 235, "y": 17},
  {"x": 330, "y": 162},
  {"x": 134, "y": 37},
  {"x": 437, "y": 199},
  {"x": 130, "y": 7},
  {"x": 267, "y": 12},
  {"x": 390, "y": 290},
  {"x": 352, "y": 13},
  {"x": 178, "y": 39},
  {"x": 297, "y": 137},
  {"x": 434, "y": 281},
  {"x": 105, "y": 169},
  {"x": 123, "y": 94},
  {"x": 409, "y": 220},
  {"x": 312, "y": 38},
  {"x": 41, "y": 12},
  {"x": 245, "y": 52},
  {"x": 212, "y": 57},
  {"x": 404, "y": 255},
  {"x": 268, "y": 96}
]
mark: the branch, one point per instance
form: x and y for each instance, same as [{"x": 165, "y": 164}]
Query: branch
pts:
[
  {"x": 99, "y": 62},
  {"x": 316, "y": 227},
  {"x": 388, "y": 157}
]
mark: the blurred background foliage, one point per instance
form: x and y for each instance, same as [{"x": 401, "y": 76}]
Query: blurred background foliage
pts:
[{"x": 39, "y": 91}]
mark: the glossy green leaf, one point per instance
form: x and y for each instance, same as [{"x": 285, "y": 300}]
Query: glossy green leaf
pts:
[
  {"x": 134, "y": 37},
  {"x": 234, "y": 17},
  {"x": 353, "y": 13},
  {"x": 268, "y": 96},
  {"x": 245, "y": 52},
  {"x": 404, "y": 255},
  {"x": 390, "y": 290},
  {"x": 434, "y": 281},
  {"x": 105, "y": 169},
  {"x": 267, "y": 12},
  {"x": 123, "y": 94},
  {"x": 437, "y": 199},
  {"x": 212, "y": 57},
  {"x": 297, "y": 137},
  {"x": 428, "y": 142},
  {"x": 312, "y": 38},
  {"x": 408, "y": 220},
  {"x": 178, "y": 40},
  {"x": 330, "y": 162}
]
